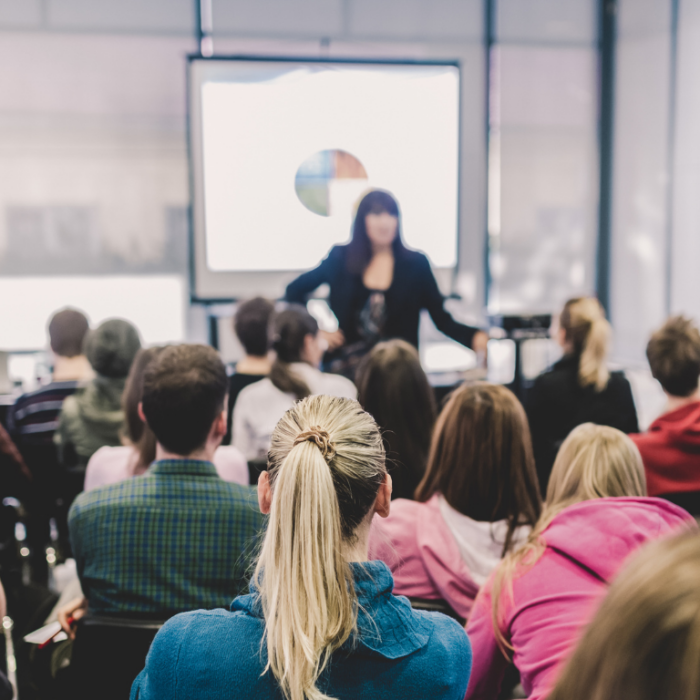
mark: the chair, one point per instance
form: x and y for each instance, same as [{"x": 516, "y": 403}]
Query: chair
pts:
[
  {"x": 108, "y": 654},
  {"x": 688, "y": 500},
  {"x": 436, "y": 605}
]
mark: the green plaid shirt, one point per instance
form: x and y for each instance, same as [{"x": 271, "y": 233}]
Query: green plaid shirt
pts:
[{"x": 178, "y": 538}]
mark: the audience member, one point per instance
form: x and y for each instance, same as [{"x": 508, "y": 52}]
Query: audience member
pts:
[
  {"x": 111, "y": 464},
  {"x": 251, "y": 325},
  {"x": 478, "y": 500},
  {"x": 93, "y": 417},
  {"x": 177, "y": 538},
  {"x": 320, "y": 620},
  {"x": 293, "y": 376},
  {"x": 32, "y": 423},
  {"x": 542, "y": 596},
  {"x": 671, "y": 449},
  {"x": 393, "y": 388},
  {"x": 579, "y": 388},
  {"x": 644, "y": 642}
]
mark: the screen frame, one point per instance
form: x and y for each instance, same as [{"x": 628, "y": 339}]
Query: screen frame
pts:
[{"x": 260, "y": 282}]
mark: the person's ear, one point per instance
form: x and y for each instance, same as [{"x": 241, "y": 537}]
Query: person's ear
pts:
[
  {"x": 382, "y": 504},
  {"x": 142, "y": 416},
  {"x": 221, "y": 425},
  {"x": 264, "y": 493}
]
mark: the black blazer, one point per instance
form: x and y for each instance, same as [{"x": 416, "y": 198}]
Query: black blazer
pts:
[
  {"x": 413, "y": 288},
  {"x": 557, "y": 403}
]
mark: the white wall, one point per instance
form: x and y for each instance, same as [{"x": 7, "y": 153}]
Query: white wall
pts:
[{"x": 93, "y": 109}]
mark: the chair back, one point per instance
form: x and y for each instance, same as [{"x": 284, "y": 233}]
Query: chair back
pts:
[
  {"x": 108, "y": 654},
  {"x": 688, "y": 500},
  {"x": 436, "y": 605}
]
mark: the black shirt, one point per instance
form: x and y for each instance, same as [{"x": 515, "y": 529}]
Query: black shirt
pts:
[
  {"x": 557, "y": 403},
  {"x": 412, "y": 289}
]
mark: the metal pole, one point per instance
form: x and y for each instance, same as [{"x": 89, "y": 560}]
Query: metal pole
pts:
[
  {"x": 204, "y": 27},
  {"x": 607, "y": 40}
]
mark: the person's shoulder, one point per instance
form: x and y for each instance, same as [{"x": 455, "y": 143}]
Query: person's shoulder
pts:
[
  {"x": 618, "y": 380},
  {"x": 413, "y": 258},
  {"x": 102, "y": 497},
  {"x": 448, "y": 653},
  {"x": 339, "y": 385},
  {"x": 256, "y": 389}
]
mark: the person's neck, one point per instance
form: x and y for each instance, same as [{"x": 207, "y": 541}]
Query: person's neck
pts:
[
  {"x": 358, "y": 550},
  {"x": 254, "y": 364},
  {"x": 673, "y": 403},
  {"x": 378, "y": 250},
  {"x": 66, "y": 369},
  {"x": 205, "y": 454}
]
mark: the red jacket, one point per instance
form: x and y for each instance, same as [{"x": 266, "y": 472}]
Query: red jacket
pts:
[{"x": 671, "y": 451}]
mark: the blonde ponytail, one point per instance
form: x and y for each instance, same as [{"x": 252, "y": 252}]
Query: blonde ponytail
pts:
[
  {"x": 326, "y": 464},
  {"x": 588, "y": 331}
]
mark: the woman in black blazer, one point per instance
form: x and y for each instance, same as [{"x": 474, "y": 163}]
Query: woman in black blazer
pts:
[
  {"x": 378, "y": 288},
  {"x": 579, "y": 388}
]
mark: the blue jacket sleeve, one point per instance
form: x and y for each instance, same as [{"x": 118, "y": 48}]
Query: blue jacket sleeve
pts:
[
  {"x": 299, "y": 289},
  {"x": 434, "y": 302}
]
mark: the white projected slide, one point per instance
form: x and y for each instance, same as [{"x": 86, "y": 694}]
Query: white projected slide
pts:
[{"x": 284, "y": 150}]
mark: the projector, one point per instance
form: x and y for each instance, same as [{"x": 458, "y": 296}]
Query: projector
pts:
[{"x": 523, "y": 326}]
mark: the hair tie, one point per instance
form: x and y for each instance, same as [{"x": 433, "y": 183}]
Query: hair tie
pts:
[{"x": 320, "y": 438}]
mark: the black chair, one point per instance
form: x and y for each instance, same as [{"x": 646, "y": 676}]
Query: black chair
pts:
[
  {"x": 688, "y": 500},
  {"x": 108, "y": 654},
  {"x": 436, "y": 605}
]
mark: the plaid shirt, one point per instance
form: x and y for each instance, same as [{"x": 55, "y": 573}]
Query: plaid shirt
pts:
[{"x": 178, "y": 538}]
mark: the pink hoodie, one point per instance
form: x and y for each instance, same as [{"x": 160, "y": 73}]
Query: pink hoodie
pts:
[
  {"x": 586, "y": 545},
  {"x": 418, "y": 547}
]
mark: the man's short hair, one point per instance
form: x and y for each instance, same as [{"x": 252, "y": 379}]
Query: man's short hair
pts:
[
  {"x": 251, "y": 323},
  {"x": 674, "y": 356},
  {"x": 184, "y": 390},
  {"x": 67, "y": 331}
]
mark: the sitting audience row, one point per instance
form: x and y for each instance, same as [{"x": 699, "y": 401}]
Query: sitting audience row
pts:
[
  {"x": 167, "y": 524},
  {"x": 320, "y": 620}
]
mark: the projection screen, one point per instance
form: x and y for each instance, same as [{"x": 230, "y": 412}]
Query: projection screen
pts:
[{"x": 282, "y": 150}]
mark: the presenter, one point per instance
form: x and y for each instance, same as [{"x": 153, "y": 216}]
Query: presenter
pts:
[{"x": 378, "y": 288}]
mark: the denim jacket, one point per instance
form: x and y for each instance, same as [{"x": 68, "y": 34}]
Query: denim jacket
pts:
[{"x": 397, "y": 652}]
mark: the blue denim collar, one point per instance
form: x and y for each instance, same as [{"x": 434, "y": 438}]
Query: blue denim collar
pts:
[{"x": 386, "y": 624}]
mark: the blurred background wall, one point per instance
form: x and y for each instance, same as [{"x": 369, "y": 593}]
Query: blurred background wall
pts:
[{"x": 93, "y": 151}]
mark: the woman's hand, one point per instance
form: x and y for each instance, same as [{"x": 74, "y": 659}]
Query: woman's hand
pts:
[
  {"x": 480, "y": 343},
  {"x": 335, "y": 339},
  {"x": 71, "y": 612}
]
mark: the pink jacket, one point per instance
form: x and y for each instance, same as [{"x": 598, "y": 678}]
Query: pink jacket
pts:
[
  {"x": 418, "y": 547},
  {"x": 553, "y": 600}
]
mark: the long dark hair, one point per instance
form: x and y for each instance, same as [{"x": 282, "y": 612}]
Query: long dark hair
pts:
[
  {"x": 392, "y": 387},
  {"x": 289, "y": 330},
  {"x": 360, "y": 248},
  {"x": 137, "y": 432},
  {"x": 481, "y": 458}
]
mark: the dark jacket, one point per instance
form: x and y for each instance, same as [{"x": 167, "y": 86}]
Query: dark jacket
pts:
[
  {"x": 557, "y": 403},
  {"x": 398, "y": 653},
  {"x": 412, "y": 289}
]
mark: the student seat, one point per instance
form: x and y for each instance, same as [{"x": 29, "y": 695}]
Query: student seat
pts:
[{"x": 108, "y": 654}]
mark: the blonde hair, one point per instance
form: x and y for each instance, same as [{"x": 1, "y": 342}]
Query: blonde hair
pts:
[
  {"x": 594, "y": 461},
  {"x": 326, "y": 464},
  {"x": 586, "y": 328},
  {"x": 644, "y": 642}
]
